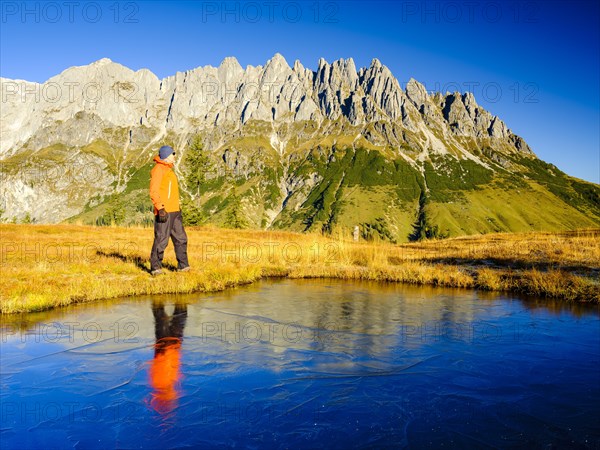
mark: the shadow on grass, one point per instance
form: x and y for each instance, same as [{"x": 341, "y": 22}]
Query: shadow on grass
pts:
[
  {"x": 499, "y": 263},
  {"x": 137, "y": 260}
]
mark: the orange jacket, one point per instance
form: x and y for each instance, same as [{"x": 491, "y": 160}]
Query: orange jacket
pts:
[{"x": 164, "y": 190}]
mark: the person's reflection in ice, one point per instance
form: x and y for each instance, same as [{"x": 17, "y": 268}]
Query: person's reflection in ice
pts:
[{"x": 164, "y": 369}]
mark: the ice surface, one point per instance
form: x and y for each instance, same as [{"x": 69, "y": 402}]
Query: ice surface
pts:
[{"x": 295, "y": 364}]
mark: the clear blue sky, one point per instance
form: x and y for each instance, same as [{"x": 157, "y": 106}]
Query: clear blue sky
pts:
[{"x": 536, "y": 64}]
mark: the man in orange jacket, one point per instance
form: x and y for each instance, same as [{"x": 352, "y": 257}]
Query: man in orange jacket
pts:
[{"x": 164, "y": 193}]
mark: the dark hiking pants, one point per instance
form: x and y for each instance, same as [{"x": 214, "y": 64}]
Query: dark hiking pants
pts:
[{"x": 172, "y": 228}]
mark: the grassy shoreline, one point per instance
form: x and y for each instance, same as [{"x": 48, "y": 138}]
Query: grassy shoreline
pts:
[{"x": 44, "y": 266}]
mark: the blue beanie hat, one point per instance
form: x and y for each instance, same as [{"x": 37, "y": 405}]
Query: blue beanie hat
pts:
[{"x": 165, "y": 151}]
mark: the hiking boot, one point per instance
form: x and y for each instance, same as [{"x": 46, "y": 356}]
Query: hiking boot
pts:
[
  {"x": 185, "y": 269},
  {"x": 157, "y": 272}
]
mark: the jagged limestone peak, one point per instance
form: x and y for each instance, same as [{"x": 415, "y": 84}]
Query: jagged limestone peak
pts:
[
  {"x": 376, "y": 64},
  {"x": 322, "y": 63},
  {"x": 102, "y": 61},
  {"x": 278, "y": 60},
  {"x": 416, "y": 92},
  {"x": 230, "y": 70},
  {"x": 230, "y": 61}
]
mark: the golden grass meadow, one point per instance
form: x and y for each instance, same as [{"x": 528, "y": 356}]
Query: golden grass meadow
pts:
[{"x": 45, "y": 266}]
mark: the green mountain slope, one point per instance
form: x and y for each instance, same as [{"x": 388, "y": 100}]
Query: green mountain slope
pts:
[{"x": 333, "y": 188}]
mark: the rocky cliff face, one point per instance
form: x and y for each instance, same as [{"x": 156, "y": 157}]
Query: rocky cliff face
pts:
[
  {"x": 262, "y": 127},
  {"x": 207, "y": 97}
]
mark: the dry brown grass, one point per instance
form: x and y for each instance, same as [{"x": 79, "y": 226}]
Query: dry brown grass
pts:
[{"x": 43, "y": 266}]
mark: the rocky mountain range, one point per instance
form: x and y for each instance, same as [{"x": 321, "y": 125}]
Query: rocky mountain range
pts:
[{"x": 288, "y": 147}]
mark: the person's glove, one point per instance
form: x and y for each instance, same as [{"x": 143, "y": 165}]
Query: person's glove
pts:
[{"x": 162, "y": 215}]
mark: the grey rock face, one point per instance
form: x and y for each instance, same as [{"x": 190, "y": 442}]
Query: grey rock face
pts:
[
  {"x": 135, "y": 111},
  {"x": 206, "y": 97}
]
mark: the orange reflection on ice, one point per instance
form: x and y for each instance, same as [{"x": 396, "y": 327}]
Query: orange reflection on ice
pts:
[{"x": 165, "y": 371}]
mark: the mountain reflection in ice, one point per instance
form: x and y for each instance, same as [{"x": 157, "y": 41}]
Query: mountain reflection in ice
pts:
[{"x": 304, "y": 363}]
